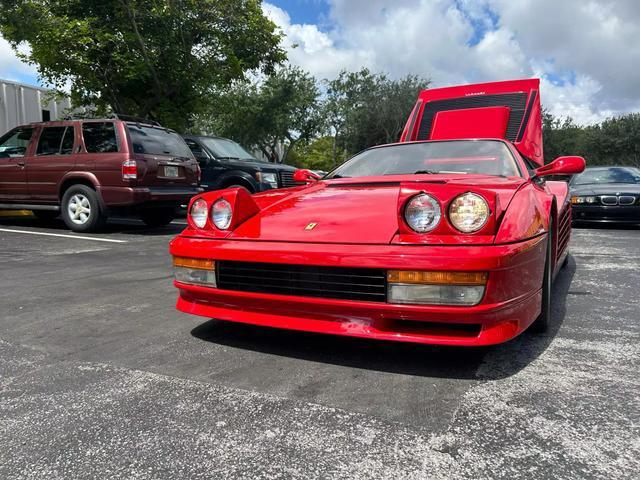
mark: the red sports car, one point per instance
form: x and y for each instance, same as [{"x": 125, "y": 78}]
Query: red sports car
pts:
[{"x": 451, "y": 236}]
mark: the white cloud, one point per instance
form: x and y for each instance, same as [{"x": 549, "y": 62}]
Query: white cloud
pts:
[
  {"x": 586, "y": 51},
  {"x": 11, "y": 67}
]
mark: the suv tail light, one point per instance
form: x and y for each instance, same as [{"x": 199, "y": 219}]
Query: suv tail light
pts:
[{"x": 129, "y": 170}]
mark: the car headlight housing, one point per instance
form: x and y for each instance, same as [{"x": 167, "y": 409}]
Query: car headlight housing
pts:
[
  {"x": 221, "y": 214},
  {"x": 422, "y": 213},
  {"x": 469, "y": 212},
  {"x": 435, "y": 288},
  {"x": 271, "y": 179},
  {"x": 580, "y": 200},
  {"x": 198, "y": 213}
]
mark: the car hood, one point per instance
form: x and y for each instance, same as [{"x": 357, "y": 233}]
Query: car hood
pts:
[
  {"x": 606, "y": 189},
  {"x": 257, "y": 165},
  {"x": 343, "y": 211}
]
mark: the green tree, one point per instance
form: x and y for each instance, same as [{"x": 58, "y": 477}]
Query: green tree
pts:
[
  {"x": 316, "y": 154},
  {"x": 365, "y": 109},
  {"x": 156, "y": 59},
  {"x": 271, "y": 114}
]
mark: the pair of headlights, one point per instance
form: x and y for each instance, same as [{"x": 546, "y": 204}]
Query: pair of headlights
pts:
[
  {"x": 468, "y": 213},
  {"x": 221, "y": 213}
]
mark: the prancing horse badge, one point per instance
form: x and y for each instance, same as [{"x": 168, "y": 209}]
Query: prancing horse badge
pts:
[{"x": 311, "y": 226}]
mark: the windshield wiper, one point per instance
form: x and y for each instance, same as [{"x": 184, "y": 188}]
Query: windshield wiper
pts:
[
  {"x": 336, "y": 176},
  {"x": 429, "y": 172},
  {"x": 227, "y": 158}
]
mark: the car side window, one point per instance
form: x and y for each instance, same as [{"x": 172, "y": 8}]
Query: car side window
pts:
[
  {"x": 100, "y": 137},
  {"x": 15, "y": 142},
  {"x": 50, "y": 140},
  {"x": 67, "y": 141},
  {"x": 195, "y": 148}
]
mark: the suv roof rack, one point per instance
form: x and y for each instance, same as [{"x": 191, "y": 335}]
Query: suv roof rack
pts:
[
  {"x": 116, "y": 116},
  {"x": 131, "y": 118}
]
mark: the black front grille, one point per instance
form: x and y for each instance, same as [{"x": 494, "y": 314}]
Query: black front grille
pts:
[
  {"x": 286, "y": 178},
  {"x": 515, "y": 101},
  {"x": 366, "y": 284}
]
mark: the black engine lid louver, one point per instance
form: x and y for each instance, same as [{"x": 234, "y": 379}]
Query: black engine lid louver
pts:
[{"x": 515, "y": 101}]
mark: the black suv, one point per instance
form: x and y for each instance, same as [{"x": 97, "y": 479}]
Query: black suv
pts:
[{"x": 224, "y": 163}]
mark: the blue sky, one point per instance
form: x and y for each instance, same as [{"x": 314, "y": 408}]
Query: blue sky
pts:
[{"x": 305, "y": 11}]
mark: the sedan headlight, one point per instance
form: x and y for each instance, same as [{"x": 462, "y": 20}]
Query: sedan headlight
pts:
[
  {"x": 198, "y": 213},
  {"x": 422, "y": 213},
  {"x": 221, "y": 214},
  {"x": 469, "y": 212},
  {"x": 271, "y": 179},
  {"x": 578, "y": 200}
]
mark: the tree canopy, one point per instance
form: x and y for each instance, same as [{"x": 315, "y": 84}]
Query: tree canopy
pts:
[
  {"x": 269, "y": 114},
  {"x": 155, "y": 59},
  {"x": 615, "y": 141}
]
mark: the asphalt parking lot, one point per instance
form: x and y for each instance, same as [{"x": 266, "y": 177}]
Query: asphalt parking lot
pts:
[{"x": 100, "y": 377}]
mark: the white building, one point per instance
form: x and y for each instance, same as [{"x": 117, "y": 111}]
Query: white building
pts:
[{"x": 20, "y": 104}]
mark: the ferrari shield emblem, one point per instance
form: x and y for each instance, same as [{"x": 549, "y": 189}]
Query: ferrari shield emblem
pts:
[{"x": 311, "y": 226}]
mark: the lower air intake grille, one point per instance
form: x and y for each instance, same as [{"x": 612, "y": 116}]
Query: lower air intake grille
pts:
[
  {"x": 301, "y": 280},
  {"x": 286, "y": 178}
]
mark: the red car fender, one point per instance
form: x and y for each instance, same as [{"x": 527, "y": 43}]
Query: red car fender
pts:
[{"x": 526, "y": 217}]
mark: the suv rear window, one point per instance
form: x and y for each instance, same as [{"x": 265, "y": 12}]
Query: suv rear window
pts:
[
  {"x": 157, "y": 141},
  {"x": 100, "y": 137}
]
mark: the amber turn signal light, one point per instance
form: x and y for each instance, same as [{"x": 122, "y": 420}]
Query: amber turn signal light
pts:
[
  {"x": 437, "y": 278},
  {"x": 198, "y": 263}
]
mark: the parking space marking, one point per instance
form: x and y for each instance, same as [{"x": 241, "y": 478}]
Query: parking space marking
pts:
[{"x": 77, "y": 237}]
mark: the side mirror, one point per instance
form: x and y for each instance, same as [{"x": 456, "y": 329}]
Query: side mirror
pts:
[
  {"x": 305, "y": 176},
  {"x": 562, "y": 166}
]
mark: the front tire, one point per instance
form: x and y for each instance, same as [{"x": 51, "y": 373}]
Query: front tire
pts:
[
  {"x": 81, "y": 209},
  {"x": 541, "y": 324}
]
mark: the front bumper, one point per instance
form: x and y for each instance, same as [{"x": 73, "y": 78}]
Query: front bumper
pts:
[
  {"x": 511, "y": 302},
  {"x": 606, "y": 214}
]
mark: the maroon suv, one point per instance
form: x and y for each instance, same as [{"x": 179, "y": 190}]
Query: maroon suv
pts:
[{"x": 86, "y": 170}]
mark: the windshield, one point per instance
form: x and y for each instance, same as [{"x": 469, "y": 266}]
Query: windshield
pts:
[
  {"x": 486, "y": 157},
  {"x": 157, "y": 141},
  {"x": 608, "y": 175},
  {"x": 224, "y": 148}
]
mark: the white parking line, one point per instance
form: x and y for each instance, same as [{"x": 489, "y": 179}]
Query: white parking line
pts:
[{"x": 77, "y": 237}]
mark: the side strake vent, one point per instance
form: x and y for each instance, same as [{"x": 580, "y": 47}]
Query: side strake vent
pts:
[{"x": 516, "y": 102}]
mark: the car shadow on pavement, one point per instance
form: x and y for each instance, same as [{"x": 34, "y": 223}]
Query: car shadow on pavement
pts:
[
  {"x": 493, "y": 362},
  {"x": 605, "y": 226},
  {"x": 124, "y": 226}
]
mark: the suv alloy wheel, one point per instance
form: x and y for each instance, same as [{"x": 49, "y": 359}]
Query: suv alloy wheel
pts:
[{"x": 81, "y": 209}]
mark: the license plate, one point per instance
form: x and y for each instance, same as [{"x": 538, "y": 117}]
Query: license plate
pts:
[{"x": 170, "y": 171}]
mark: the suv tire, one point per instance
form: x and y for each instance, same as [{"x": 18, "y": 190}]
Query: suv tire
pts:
[
  {"x": 81, "y": 209},
  {"x": 158, "y": 217}
]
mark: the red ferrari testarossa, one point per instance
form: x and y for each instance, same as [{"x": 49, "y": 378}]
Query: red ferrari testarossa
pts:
[{"x": 451, "y": 236}]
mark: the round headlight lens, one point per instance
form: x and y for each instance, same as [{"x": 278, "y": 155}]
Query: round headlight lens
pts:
[
  {"x": 221, "y": 214},
  {"x": 469, "y": 212},
  {"x": 199, "y": 212},
  {"x": 422, "y": 213}
]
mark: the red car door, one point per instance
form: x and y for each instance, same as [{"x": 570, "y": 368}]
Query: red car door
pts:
[
  {"x": 52, "y": 159},
  {"x": 14, "y": 148}
]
